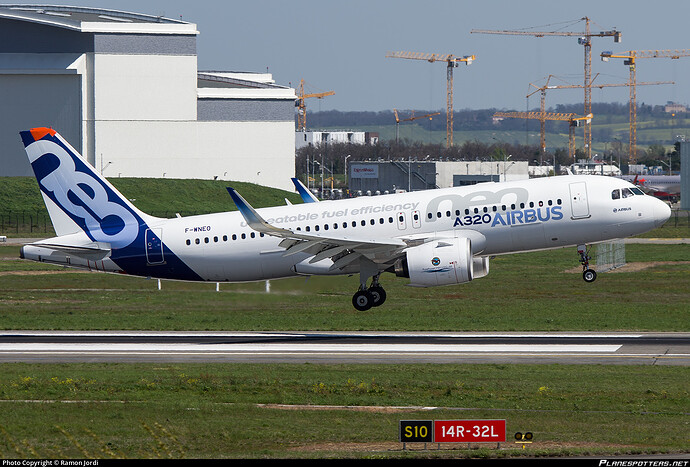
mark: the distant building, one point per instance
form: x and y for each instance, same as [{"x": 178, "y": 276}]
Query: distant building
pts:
[
  {"x": 124, "y": 90},
  {"x": 673, "y": 108},
  {"x": 583, "y": 167},
  {"x": 316, "y": 138},
  {"x": 413, "y": 175}
]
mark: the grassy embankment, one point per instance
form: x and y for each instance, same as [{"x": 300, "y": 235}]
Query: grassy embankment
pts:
[{"x": 220, "y": 410}]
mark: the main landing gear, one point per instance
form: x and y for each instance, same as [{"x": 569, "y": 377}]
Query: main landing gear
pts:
[
  {"x": 589, "y": 275},
  {"x": 365, "y": 298}
]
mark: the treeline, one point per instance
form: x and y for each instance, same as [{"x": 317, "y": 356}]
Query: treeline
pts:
[
  {"x": 332, "y": 156},
  {"x": 479, "y": 119}
]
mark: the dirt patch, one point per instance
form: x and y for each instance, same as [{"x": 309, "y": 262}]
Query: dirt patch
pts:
[
  {"x": 354, "y": 408},
  {"x": 631, "y": 267},
  {"x": 509, "y": 445}
]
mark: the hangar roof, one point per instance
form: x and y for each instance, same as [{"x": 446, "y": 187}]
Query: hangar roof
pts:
[{"x": 85, "y": 19}]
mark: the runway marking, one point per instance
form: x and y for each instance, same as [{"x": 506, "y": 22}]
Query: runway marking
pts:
[{"x": 300, "y": 347}]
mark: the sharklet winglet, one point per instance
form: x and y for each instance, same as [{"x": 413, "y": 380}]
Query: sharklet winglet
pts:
[
  {"x": 254, "y": 220},
  {"x": 306, "y": 195}
]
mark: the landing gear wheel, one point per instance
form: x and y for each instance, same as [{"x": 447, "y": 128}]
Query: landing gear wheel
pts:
[
  {"x": 362, "y": 300},
  {"x": 379, "y": 295},
  {"x": 589, "y": 275}
]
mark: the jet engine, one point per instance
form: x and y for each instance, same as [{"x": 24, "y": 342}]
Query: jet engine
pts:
[{"x": 441, "y": 262}]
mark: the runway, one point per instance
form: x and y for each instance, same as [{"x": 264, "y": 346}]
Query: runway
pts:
[{"x": 345, "y": 347}]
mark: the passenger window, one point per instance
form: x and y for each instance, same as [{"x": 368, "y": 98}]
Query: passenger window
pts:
[
  {"x": 234, "y": 236},
  {"x": 390, "y": 219},
  {"x": 197, "y": 241},
  {"x": 206, "y": 240},
  {"x": 364, "y": 223},
  {"x": 447, "y": 213},
  {"x": 225, "y": 238},
  {"x": 252, "y": 235},
  {"x": 429, "y": 215},
  {"x": 244, "y": 236},
  {"x": 189, "y": 242},
  {"x": 615, "y": 194},
  {"x": 372, "y": 221}
]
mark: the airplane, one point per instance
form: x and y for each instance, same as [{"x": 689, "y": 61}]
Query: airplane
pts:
[
  {"x": 662, "y": 186},
  {"x": 434, "y": 237}
]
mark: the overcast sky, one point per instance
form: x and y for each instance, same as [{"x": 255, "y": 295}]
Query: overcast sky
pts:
[{"x": 341, "y": 46}]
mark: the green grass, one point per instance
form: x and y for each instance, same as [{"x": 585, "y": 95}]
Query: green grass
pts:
[
  {"x": 523, "y": 292},
  {"x": 217, "y": 410}
]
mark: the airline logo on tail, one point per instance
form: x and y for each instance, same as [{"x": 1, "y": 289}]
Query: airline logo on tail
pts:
[{"x": 78, "y": 190}]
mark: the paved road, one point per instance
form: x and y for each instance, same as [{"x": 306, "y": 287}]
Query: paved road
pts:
[{"x": 346, "y": 347}]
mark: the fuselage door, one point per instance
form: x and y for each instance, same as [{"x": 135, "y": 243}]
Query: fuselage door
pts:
[
  {"x": 416, "y": 219},
  {"x": 154, "y": 246},
  {"x": 402, "y": 222},
  {"x": 578, "y": 200}
]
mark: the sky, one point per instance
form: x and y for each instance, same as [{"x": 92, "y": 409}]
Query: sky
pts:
[{"x": 341, "y": 46}]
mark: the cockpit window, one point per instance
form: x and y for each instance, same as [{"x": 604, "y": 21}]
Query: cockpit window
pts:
[
  {"x": 615, "y": 194},
  {"x": 637, "y": 191},
  {"x": 627, "y": 193}
]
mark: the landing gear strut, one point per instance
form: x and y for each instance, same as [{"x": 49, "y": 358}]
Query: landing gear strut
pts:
[
  {"x": 375, "y": 295},
  {"x": 589, "y": 275}
]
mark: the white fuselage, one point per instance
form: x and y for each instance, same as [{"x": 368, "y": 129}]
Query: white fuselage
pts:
[{"x": 512, "y": 217}]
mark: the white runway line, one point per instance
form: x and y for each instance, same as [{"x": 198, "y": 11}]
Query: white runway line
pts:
[{"x": 300, "y": 347}]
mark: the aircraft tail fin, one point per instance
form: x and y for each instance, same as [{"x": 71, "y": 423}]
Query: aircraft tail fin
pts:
[{"x": 78, "y": 198}]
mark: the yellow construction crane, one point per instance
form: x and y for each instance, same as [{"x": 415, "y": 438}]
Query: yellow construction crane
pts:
[
  {"x": 584, "y": 39},
  {"x": 571, "y": 118},
  {"x": 302, "y": 107},
  {"x": 409, "y": 119},
  {"x": 543, "y": 89},
  {"x": 452, "y": 62},
  {"x": 630, "y": 57}
]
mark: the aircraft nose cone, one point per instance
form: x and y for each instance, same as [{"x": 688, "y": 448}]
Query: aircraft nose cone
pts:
[{"x": 662, "y": 212}]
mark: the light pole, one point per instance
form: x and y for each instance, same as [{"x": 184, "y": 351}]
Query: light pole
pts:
[{"x": 347, "y": 178}]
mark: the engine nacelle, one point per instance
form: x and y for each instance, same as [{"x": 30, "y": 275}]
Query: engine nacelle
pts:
[
  {"x": 439, "y": 262},
  {"x": 480, "y": 267}
]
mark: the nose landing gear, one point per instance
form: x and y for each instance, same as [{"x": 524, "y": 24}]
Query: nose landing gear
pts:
[{"x": 589, "y": 275}]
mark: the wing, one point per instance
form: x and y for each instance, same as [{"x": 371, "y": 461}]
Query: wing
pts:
[{"x": 341, "y": 250}]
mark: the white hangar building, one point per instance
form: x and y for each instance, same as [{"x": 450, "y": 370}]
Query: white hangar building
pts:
[{"x": 125, "y": 91}]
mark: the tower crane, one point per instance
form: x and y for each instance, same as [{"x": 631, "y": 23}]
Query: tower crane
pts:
[
  {"x": 452, "y": 61},
  {"x": 571, "y": 118},
  {"x": 409, "y": 119},
  {"x": 584, "y": 39},
  {"x": 630, "y": 57},
  {"x": 302, "y": 107},
  {"x": 542, "y": 90}
]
